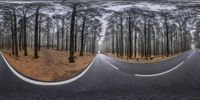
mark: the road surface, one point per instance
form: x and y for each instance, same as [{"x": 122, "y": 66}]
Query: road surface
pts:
[{"x": 107, "y": 79}]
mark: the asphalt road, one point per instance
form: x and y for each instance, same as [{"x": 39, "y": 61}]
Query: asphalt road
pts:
[{"x": 108, "y": 79}]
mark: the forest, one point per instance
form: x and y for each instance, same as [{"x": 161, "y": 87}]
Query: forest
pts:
[
  {"x": 26, "y": 26},
  {"x": 48, "y": 30},
  {"x": 135, "y": 32},
  {"x": 57, "y": 35}
]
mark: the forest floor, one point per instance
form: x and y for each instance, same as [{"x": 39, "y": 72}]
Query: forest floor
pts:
[
  {"x": 139, "y": 59},
  {"x": 52, "y": 65}
]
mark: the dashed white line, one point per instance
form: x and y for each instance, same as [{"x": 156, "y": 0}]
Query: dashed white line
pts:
[
  {"x": 46, "y": 83},
  {"x": 158, "y": 74}
]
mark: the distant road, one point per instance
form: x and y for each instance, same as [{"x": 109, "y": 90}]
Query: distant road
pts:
[{"x": 107, "y": 79}]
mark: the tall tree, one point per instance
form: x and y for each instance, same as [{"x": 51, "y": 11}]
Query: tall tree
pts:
[
  {"x": 71, "y": 57},
  {"x": 24, "y": 12},
  {"x": 36, "y": 32}
]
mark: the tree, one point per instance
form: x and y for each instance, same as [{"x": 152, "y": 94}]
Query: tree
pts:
[
  {"x": 48, "y": 27},
  {"x": 36, "y": 32},
  {"x": 24, "y": 12},
  {"x": 71, "y": 57},
  {"x": 86, "y": 14},
  {"x": 122, "y": 35},
  {"x": 82, "y": 32}
]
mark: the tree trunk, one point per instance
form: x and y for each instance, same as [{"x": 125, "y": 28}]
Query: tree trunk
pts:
[
  {"x": 117, "y": 41},
  {"x": 135, "y": 53},
  {"x": 94, "y": 41},
  {"x": 149, "y": 41},
  {"x": 162, "y": 45},
  {"x": 145, "y": 37},
  {"x": 71, "y": 57},
  {"x": 20, "y": 36},
  {"x": 75, "y": 37},
  {"x": 58, "y": 36},
  {"x": 48, "y": 33},
  {"x": 181, "y": 40},
  {"x": 25, "y": 36},
  {"x": 15, "y": 33},
  {"x": 154, "y": 43},
  {"x": 13, "y": 43},
  {"x": 167, "y": 36},
  {"x": 130, "y": 37},
  {"x": 113, "y": 42},
  {"x": 82, "y": 34},
  {"x": 52, "y": 41},
  {"x": 63, "y": 24},
  {"x": 66, "y": 47},
  {"x": 36, "y": 34},
  {"x": 122, "y": 37},
  {"x": 40, "y": 30}
]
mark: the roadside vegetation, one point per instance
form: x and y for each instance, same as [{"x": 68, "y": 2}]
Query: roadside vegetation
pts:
[
  {"x": 50, "y": 66},
  {"x": 139, "y": 59},
  {"x": 57, "y": 40},
  {"x": 139, "y": 35},
  {"x": 44, "y": 42}
]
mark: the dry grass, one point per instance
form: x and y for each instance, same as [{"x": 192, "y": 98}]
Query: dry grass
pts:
[
  {"x": 139, "y": 59},
  {"x": 52, "y": 65}
]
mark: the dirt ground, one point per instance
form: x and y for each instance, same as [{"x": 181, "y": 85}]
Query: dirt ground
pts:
[
  {"x": 52, "y": 65},
  {"x": 138, "y": 59}
]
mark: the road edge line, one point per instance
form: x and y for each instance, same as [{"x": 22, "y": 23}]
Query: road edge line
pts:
[
  {"x": 146, "y": 62},
  {"x": 190, "y": 55},
  {"x": 28, "y": 80},
  {"x": 158, "y": 74}
]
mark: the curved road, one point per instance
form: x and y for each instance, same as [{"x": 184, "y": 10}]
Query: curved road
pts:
[{"x": 107, "y": 79}]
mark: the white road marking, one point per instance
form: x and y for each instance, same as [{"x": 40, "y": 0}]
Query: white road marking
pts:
[
  {"x": 112, "y": 65},
  {"x": 46, "y": 83},
  {"x": 190, "y": 55},
  {"x": 158, "y": 74}
]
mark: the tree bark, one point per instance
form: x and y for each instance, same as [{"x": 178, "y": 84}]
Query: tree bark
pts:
[
  {"x": 71, "y": 57},
  {"x": 135, "y": 53},
  {"x": 122, "y": 37},
  {"x": 113, "y": 42},
  {"x": 58, "y": 36},
  {"x": 66, "y": 47},
  {"x": 40, "y": 30},
  {"x": 13, "y": 43},
  {"x": 63, "y": 24},
  {"x": 25, "y": 35},
  {"x": 130, "y": 36},
  {"x": 94, "y": 40},
  {"x": 167, "y": 36},
  {"x": 20, "y": 36},
  {"x": 15, "y": 33},
  {"x": 82, "y": 34},
  {"x": 76, "y": 34},
  {"x": 48, "y": 33},
  {"x": 36, "y": 34},
  {"x": 145, "y": 38},
  {"x": 117, "y": 41}
]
